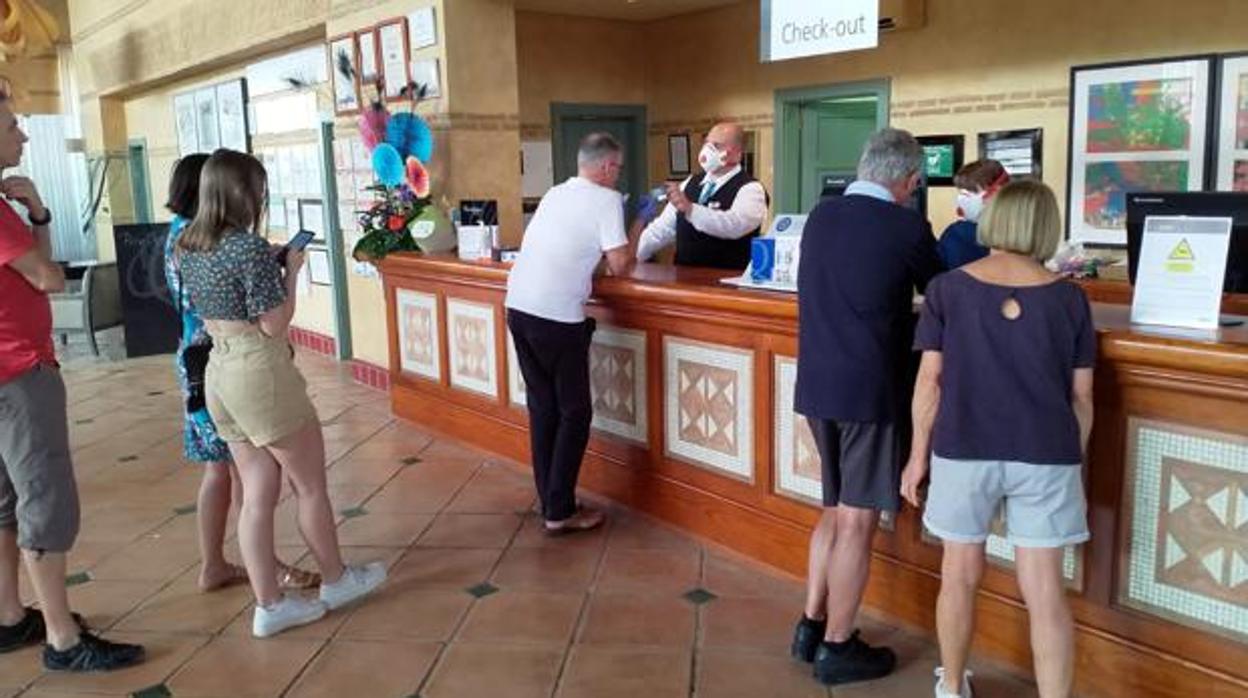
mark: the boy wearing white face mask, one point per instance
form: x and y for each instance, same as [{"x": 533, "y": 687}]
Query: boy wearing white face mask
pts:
[
  {"x": 712, "y": 215},
  {"x": 976, "y": 182}
]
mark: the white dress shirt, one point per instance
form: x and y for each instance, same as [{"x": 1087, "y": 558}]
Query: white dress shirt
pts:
[{"x": 746, "y": 215}]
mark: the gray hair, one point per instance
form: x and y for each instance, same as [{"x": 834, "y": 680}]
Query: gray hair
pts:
[
  {"x": 890, "y": 156},
  {"x": 595, "y": 147}
]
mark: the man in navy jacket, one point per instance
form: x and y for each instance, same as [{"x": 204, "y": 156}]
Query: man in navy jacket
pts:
[{"x": 863, "y": 257}]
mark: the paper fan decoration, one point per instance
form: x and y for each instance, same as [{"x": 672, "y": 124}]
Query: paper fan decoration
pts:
[
  {"x": 25, "y": 28},
  {"x": 373, "y": 126},
  {"x": 388, "y": 165},
  {"x": 410, "y": 135},
  {"x": 417, "y": 178}
]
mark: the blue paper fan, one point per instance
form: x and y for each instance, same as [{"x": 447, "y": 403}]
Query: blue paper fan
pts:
[
  {"x": 388, "y": 165},
  {"x": 410, "y": 135}
]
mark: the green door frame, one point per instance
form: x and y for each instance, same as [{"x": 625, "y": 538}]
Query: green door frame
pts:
[
  {"x": 334, "y": 241},
  {"x": 788, "y": 130},
  {"x": 140, "y": 192},
  {"x": 561, "y": 111}
]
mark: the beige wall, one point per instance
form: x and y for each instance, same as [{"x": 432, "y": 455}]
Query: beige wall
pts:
[{"x": 975, "y": 66}]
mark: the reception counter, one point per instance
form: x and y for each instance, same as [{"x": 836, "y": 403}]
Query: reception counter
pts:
[{"x": 693, "y": 393}]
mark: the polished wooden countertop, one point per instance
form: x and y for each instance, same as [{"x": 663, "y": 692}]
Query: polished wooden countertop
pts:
[{"x": 1223, "y": 351}]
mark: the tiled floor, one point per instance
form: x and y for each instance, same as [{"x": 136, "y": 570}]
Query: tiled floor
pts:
[{"x": 479, "y": 603}]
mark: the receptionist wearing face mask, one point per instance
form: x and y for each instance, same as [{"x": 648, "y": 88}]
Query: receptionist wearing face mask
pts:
[
  {"x": 976, "y": 182},
  {"x": 713, "y": 215}
]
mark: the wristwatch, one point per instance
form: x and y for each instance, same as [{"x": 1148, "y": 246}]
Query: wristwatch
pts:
[{"x": 47, "y": 218}]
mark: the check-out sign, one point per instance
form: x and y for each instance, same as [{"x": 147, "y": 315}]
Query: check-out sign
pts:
[{"x": 797, "y": 28}]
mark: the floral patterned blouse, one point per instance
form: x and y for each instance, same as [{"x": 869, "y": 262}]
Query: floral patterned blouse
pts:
[{"x": 239, "y": 279}]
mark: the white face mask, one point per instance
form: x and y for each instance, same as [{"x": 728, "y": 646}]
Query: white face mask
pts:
[
  {"x": 970, "y": 204},
  {"x": 710, "y": 158}
]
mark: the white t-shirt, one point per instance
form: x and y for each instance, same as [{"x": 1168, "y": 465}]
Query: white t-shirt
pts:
[{"x": 576, "y": 222}]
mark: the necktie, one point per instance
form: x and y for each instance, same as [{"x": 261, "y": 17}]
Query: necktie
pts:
[{"x": 708, "y": 187}]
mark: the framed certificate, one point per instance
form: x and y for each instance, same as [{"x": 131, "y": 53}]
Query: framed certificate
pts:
[
  {"x": 344, "y": 73},
  {"x": 185, "y": 118},
  {"x": 232, "y": 115},
  {"x": 369, "y": 63},
  {"x": 392, "y": 39}
]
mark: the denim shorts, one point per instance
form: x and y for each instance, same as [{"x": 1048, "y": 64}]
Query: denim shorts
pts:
[{"x": 1044, "y": 504}]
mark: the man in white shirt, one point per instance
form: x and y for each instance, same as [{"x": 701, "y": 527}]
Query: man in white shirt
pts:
[
  {"x": 576, "y": 224},
  {"x": 713, "y": 215}
]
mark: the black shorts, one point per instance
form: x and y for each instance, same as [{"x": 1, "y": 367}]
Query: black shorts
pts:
[{"x": 861, "y": 463}]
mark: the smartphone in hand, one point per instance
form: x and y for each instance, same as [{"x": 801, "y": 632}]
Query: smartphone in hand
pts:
[{"x": 298, "y": 242}]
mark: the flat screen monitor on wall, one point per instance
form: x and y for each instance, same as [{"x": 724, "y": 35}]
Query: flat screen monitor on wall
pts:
[{"x": 1233, "y": 205}]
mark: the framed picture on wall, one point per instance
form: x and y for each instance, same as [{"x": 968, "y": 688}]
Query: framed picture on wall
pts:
[
  {"x": 1232, "y": 156},
  {"x": 184, "y": 116},
  {"x": 1137, "y": 126},
  {"x": 422, "y": 28},
  {"x": 1020, "y": 152},
  {"x": 344, "y": 74},
  {"x": 318, "y": 266},
  {"x": 312, "y": 217},
  {"x": 678, "y": 154},
  {"x": 208, "y": 134},
  {"x": 370, "y": 65},
  {"x": 943, "y": 158},
  {"x": 232, "y": 115},
  {"x": 392, "y": 39}
]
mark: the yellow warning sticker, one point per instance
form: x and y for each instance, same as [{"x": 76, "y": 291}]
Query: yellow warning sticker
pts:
[{"x": 1182, "y": 251}]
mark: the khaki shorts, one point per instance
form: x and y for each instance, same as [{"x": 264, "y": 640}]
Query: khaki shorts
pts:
[{"x": 253, "y": 390}]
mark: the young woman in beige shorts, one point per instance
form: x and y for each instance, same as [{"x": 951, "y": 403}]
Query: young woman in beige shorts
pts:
[{"x": 256, "y": 395}]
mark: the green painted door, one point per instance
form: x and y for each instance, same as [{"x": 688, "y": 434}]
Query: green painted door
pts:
[
  {"x": 572, "y": 122},
  {"x": 139, "y": 190},
  {"x": 833, "y": 134}
]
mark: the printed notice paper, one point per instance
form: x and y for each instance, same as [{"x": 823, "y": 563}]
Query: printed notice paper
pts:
[{"x": 1182, "y": 264}]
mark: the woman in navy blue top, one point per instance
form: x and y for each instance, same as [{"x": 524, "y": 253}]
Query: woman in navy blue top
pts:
[{"x": 1002, "y": 412}]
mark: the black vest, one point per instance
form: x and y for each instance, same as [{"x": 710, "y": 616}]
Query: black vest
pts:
[{"x": 697, "y": 249}]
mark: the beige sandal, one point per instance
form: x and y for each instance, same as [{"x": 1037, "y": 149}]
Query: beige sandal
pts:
[
  {"x": 291, "y": 578},
  {"x": 585, "y": 519}
]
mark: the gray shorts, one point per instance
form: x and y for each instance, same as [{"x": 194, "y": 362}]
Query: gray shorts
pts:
[
  {"x": 861, "y": 463},
  {"x": 38, "y": 493},
  {"x": 1044, "y": 504}
]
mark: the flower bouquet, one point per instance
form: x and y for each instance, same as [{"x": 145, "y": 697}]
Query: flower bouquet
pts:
[{"x": 400, "y": 145}]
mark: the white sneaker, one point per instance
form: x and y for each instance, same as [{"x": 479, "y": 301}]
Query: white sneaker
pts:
[
  {"x": 290, "y": 612},
  {"x": 356, "y": 582},
  {"x": 940, "y": 685}
]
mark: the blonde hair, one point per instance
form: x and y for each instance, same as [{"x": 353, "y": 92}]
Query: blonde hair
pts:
[
  {"x": 1023, "y": 218},
  {"x": 233, "y": 195}
]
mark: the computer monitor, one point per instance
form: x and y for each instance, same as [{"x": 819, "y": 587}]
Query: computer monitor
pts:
[
  {"x": 1233, "y": 205},
  {"x": 835, "y": 184}
]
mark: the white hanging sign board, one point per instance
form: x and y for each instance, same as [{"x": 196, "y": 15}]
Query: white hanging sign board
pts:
[{"x": 797, "y": 28}]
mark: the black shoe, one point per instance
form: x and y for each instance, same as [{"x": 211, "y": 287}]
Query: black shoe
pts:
[
  {"x": 806, "y": 638},
  {"x": 92, "y": 654},
  {"x": 852, "y": 660},
  {"x": 30, "y": 630}
]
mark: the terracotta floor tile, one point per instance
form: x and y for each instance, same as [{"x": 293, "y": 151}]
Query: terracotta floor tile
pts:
[
  {"x": 353, "y": 471},
  {"x": 471, "y": 531},
  {"x": 351, "y": 668},
  {"x": 21, "y": 667},
  {"x": 147, "y": 559},
  {"x": 119, "y": 522},
  {"x": 630, "y": 619},
  {"x": 423, "y": 488},
  {"x": 765, "y": 625},
  {"x": 453, "y": 568},
  {"x": 103, "y": 603},
  {"x": 744, "y": 674},
  {"x": 402, "y": 612},
  {"x": 523, "y": 617},
  {"x": 183, "y": 608},
  {"x": 532, "y": 535},
  {"x": 230, "y": 666},
  {"x": 383, "y": 529},
  {"x": 484, "y": 671},
  {"x": 633, "y": 531},
  {"x": 620, "y": 672},
  {"x": 165, "y": 654},
  {"x": 495, "y": 489},
  {"x": 565, "y": 570},
  {"x": 725, "y": 576},
  {"x": 671, "y": 572}
]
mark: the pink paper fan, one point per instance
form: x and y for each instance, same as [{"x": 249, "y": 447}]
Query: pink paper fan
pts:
[
  {"x": 373, "y": 123},
  {"x": 417, "y": 178}
]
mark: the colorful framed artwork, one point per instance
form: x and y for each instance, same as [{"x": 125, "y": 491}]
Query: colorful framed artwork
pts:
[
  {"x": 943, "y": 157},
  {"x": 1232, "y": 154},
  {"x": 1139, "y": 126},
  {"x": 344, "y": 73},
  {"x": 1020, "y": 152},
  {"x": 392, "y": 42}
]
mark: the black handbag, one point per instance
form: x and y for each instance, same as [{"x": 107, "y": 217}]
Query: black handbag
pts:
[{"x": 195, "y": 364}]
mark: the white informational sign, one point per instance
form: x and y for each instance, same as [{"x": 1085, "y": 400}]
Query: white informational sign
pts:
[
  {"x": 422, "y": 28},
  {"x": 775, "y": 257},
  {"x": 1182, "y": 264},
  {"x": 797, "y": 28}
]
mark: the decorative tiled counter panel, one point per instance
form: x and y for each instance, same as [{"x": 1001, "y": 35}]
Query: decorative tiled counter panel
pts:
[{"x": 692, "y": 387}]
